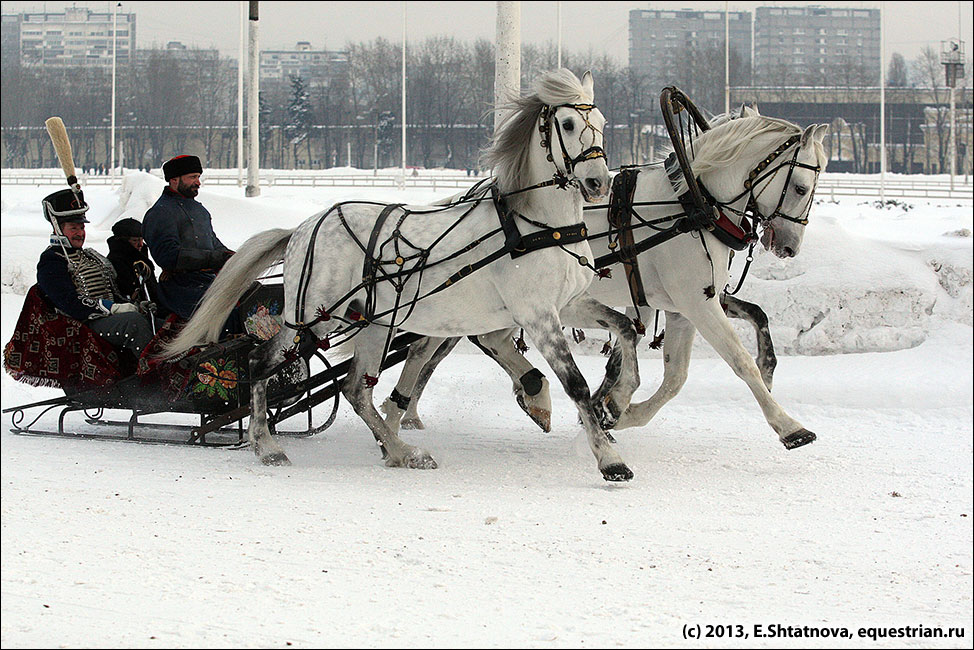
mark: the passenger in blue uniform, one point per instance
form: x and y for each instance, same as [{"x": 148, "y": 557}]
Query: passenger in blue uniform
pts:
[
  {"x": 80, "y": 282},
  {"x": 179, "y": 233}
]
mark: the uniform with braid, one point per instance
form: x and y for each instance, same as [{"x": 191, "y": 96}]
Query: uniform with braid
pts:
[{"x": 80, "y": 282}]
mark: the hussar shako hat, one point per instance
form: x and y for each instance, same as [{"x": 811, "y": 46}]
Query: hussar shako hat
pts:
[
  {"x": 65, "y": 206},
  {"x": 181, "y": 165}
]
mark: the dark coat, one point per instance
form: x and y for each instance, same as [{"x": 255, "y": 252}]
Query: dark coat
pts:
[
  {"x": 179, "y": 234},
  {"x": 54, "y": 281},
  {"x": 123, "y": 257}
]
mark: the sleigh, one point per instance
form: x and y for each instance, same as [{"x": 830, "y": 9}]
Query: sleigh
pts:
[{"x": 210, "y": 385}]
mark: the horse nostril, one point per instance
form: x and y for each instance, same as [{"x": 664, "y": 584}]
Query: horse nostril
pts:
[
  {"x": 789, "y": 251},
  {"x": 594, "y": 184}
]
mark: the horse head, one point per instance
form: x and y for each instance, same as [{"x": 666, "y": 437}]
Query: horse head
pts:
[
  {"x": 555, "y": 132},
  {"x": 783, "y": 203}
]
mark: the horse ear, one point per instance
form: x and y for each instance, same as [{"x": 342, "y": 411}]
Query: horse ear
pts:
[
  {"x": 808, "y": 134},
  {"x": 821, "y": 130},
  {"x": 743, "y": 112},
  {"x": 588, "y": 83}
]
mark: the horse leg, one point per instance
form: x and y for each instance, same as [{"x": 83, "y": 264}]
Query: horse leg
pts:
[
  {"x": 588, "y": 312},
  {"x": 404, "y": 395},
  {"x": 614, "y": 365},
  {"x": 551, "y": 343},
  {"x": 766, "y": 359},
  {"x": 531, "y": 389},
  {"x": 263, "y": 359},
  {"x": 677, "y": 345},
  {"x": 357, "y": 389},
  {"x": 411, "y": 419},
  {"x": 709, "y": 318}
]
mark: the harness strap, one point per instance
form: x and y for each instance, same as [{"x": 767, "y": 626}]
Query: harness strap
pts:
[
  {"x": 620, "y": 217},
  {"x": 369, "y": 267}
]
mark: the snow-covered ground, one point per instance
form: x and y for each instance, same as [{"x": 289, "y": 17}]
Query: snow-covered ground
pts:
[{"x": 515, "y": 540}]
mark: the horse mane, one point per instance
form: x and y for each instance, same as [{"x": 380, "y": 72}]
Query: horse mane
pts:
[
  {"x": 509, "y": 150},
  {"x": 725, "y": 143}
]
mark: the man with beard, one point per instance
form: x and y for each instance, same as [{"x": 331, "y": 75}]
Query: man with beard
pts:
[
  {"x": 179, "y": 233},
  {"x": 80, "y": 282}
]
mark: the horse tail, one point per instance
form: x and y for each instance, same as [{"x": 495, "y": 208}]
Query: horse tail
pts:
[{"x": 237, "y": 275}]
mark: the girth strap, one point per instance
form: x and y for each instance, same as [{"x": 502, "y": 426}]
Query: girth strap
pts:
[{"x": 620, "y": 219}]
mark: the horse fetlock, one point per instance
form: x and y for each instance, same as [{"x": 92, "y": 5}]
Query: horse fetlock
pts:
[{"x": 393, "y": 414}]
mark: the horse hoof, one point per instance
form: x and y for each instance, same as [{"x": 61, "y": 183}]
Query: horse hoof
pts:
[
  {"x": 540, "y": 416},
  {"x": 798, "y": 439},
  {"x": 414, "y": 424},
  {"x": 278, "y": 459},
  {"x": 415, "y": 460},
  {"x": 616, "y": 473}
]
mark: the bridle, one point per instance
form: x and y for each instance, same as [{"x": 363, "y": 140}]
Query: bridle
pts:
[
  {"x": 563, "y": 177},
  {"x": 761, "y": 173},
  {"x": 548, "y": 116}
]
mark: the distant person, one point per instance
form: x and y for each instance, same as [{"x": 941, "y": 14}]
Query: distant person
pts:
[
  {"x": 80, "y": 282},
  {"x": 179, "y": 233}
]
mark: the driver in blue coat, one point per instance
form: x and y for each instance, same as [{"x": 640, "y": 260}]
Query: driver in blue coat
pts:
[{"x": 179, "y": 233}]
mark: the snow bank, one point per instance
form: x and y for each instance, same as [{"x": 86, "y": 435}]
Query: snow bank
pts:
[{"x": 868, "y": 278}]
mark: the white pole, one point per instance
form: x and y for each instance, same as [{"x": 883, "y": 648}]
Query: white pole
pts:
[
  {"x": 114, "y": 57},
  {"x": 559, "y": 32},
  {"x": 953, "y": 141},
  {"x": 507, "y": 69},
  {"x": 726, "y": 59},
  {"x": 882, "y": 103},
  {"x": 404, "y": 93},
  {"x": 240, "y": 94},
  {"x": 253, "y": 105}
]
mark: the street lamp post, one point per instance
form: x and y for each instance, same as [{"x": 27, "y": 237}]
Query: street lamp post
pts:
[{"x": 114, "y": 58}]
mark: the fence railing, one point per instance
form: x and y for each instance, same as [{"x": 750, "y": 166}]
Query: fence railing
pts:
[{"x": 830, "y": 185}]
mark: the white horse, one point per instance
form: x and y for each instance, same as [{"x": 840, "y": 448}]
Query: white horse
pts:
[
  {"x": 762, "y": 165},
  {"x": 369, "y": 269}
]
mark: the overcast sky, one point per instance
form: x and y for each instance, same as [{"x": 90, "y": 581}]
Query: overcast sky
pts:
[{"x": 603, "y": 26}]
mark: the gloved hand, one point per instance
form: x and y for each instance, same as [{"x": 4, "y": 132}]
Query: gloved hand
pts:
[
  {"x": 123, "y": 308},
  {"x": 147, "y": 307}
]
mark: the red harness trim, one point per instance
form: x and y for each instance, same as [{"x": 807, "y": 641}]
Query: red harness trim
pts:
[{"x": 735, "y": 233}]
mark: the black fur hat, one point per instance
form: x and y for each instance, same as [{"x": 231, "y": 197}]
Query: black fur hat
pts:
[
  {"x": 127, "y": 228},
  {"x": 65, "y": 206},
  {"x": 182, "y": 165}
]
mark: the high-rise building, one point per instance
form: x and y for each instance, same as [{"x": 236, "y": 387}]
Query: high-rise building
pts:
[
  {"x": 76, "y": 36},
  {"x": 816, "y": 45},
  {"x": 662, "y": 42}
]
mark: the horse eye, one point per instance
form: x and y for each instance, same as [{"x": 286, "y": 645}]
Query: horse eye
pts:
[
  {"x": 568, "y": 125},
  {"x": 801, "y": 190}
]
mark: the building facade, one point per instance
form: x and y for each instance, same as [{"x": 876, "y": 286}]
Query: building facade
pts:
[
  {"x": 315, "y": 67},
  {"x": 816, "y": 45},
  {"x": 76, "y": 36},
  {"x": 661, "y": 40}
]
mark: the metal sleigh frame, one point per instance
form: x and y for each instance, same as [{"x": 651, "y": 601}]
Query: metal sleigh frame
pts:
[{"x": 220, "y": 429}]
